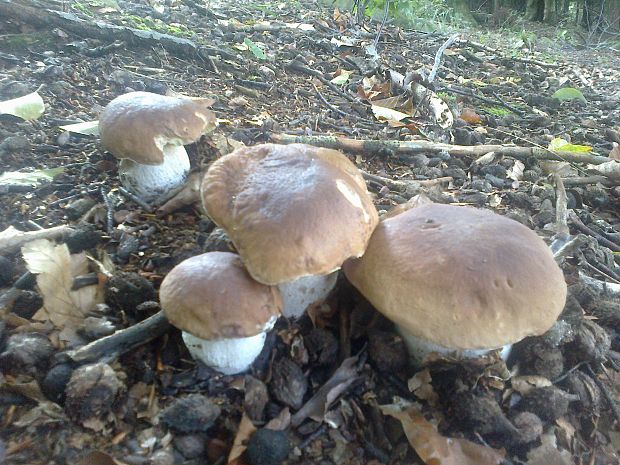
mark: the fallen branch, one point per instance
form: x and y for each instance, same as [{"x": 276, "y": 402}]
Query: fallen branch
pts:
[
  {"x": 31, "y": 12},
  {"x": 110, "y": 347},
  {"x": 406, "y": 186},
  {"x": 414, "y": 147},
  {"x": 11, "y": 239}
]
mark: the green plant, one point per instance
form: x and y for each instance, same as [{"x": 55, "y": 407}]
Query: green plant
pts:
[{"x": 420, "y": 14}]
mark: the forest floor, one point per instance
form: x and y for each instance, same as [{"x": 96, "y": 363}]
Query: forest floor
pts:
[{"x": 336, "y": 384}]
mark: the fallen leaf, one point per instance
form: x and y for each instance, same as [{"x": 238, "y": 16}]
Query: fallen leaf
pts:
[
  {"x": 432, "y": 447},
  {"x": 27, "y": 107},
  {"x": 245, "y": 430},
  {"x": 55, "y": 268},
  {"x": 470, "y": 116},
  {"x": 281, "y": 422},
  {"x": 87, "y": 128},
  {"x": 548, "y": 453},
  {"x": 386, "y": 114},
  {"x": 611, "y": 169},
  {"x": 516, "y": 172},
  {"x": 32, "y": 178},
  {"x": 565, "y": 146},
  {"x": 420, "y": 385},
  {"x": 319, "y": 403},
  {"x": 99, "y": 458},
  {"x": 569, "y": 93},
  {"x": 341, "y": 77},
  {"x": 524, "y": 384},
  {"x": 255, "y": 49}
]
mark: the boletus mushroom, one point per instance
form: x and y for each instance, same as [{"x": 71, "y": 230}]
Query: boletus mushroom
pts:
[
  {"x": 459, "y": 279},
  {"x": 294, "y": 213},
  {"x": 224, "y": 315},
  {"x": 148, "y": 132}
]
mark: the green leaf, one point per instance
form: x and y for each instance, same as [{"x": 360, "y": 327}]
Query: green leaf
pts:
[
  {"x": 87, "y": 128},
  {"x": 255, "y": 49},
  {"x": 27, "y": 107},
  {"x": 565, "y": 146},
  {"x": 341, "y": 79},
  {"x": 33, "y": 178},
  {"x": 569, "y": 93}
]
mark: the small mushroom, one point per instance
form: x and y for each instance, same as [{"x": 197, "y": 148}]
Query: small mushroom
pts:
[
  {"x": 147, "y": 132},
  {"x": 224, "y": 315},
  {"x": 459, "y": 279},
  {"x": 294, "y": 213}
]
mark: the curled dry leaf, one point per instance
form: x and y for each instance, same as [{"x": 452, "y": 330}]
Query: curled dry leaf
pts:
[
  {"x": 524, "y": 384},
  {"x": 55, "y": 268},
  {"x": 470, "y": 116},
  {"x": 614, "y": 153},
  {"x": 319, "y": 403},
  {"x": 432, "y": 447},
  {"x": 420, "y": 385},
  {"x": 245, "y": 430}
]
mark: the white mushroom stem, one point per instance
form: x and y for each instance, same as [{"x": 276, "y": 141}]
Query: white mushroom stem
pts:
[
  {"x": 420, "y": 348},
  {"x": 299, "y": 294},
  {"x": 228, "y": 356},
  {"x": 156, "y": 183}
]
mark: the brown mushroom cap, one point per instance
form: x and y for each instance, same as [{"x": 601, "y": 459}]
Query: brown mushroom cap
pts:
[
  {"x": 460, "y": 277},
  {"x": 138, "y": 125},
  {"x": 290, "y": 210},
  {"x": 212, "y": 296}
]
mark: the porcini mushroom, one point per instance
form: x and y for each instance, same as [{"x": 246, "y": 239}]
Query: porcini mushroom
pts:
[
  {"x": 224, "y": 315},
  {"x": 459, "y": 279},
  {"x": 147, "y": 132},
  {"x": 294, "y": 213}
]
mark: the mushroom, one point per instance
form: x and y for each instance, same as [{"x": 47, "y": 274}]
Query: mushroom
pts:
[
  {"x": 294, "y": 212},
  {"x": 147, "y": 132},
  {"x": 459, "y": 279},
  {"x": 224, "y": 315}
]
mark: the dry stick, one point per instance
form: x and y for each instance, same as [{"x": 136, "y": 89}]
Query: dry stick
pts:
[
  {"x": 135, "y": 199},
  {"x": 605, "y": 391},
  {"x": 297, "y": 65},
  {"x": 561, "y": 208},
  {"x": 585, "y": 180},
  {"x": 330, "y": 106},
  {"x": 414, "y": 147},
  {"x": 386, "y": 12},
  {"x": 109, "y": 210},
  {"x": 574, "y": 219},
  {"x": 122, "y": 341},
  {"x": 13, "y": 242},
  {"x": 442, "y": 49},
  {"x": 405, "y": 185}
]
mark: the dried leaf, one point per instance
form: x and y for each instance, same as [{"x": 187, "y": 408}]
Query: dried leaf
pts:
[
  {"x": 614, "y": 153},
  {"x": 548, "y": 453},
  {"x": 420, "y": 385},
  {"x": 99, "y": 458},
  {"x": 432, "y": 447},
  {"x": 245, "y": 430},
  {"x": 340, "y": 77},
  {"x": 611, "y": 169},
  {"x": 516, "y": 172},
  {"x": 524, "y": 384},
  {"x": 281, "y": 422},
  {"x": 317, "y": 406},
  {"x": 55, "y": 268},
  {"x": 387, "y": 114},
  {"x": 470, "y": 116}
]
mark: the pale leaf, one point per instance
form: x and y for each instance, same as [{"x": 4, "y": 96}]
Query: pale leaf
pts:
[
  {"x": 386, "y": 114},
  {"x": 27, "y": 107},
  {"x": 32, "y": 178},
  {"x": 87, "y": 128},
  {"x": 245, "y": 430},
  {"x": 56, "y": 268}
]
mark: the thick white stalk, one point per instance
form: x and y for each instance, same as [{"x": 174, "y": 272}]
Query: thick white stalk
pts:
[
  {"x": 297, "y": 295},
  {"x": 156, "y": 183}
]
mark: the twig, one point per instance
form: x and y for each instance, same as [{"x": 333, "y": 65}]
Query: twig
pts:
[
  {"x": 135, "y": 199},
  {"x": 413, "y": 147},
  {"x": 297, "y": 65},
  {"x": 110, "y": 347},
  {"x": 561, "y": 211},
  {"x": 575, "y": 221},
  {"x": 608, "y": 396},
  {"x": 584, "y": 180},
  {"x": 438, "y": 55},
  {"x": 330, "y": 106},
  {"x": 386, "y": 11},
  {"x": 109, "y": 210}
]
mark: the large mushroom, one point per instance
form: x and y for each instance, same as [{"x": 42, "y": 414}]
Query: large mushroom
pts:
[
  {"x": 147, "y": 132},
  {"x": 294, "y": 212},
  {"x": 224, "y": 315},
  {"x": 459, "y": 279}
]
